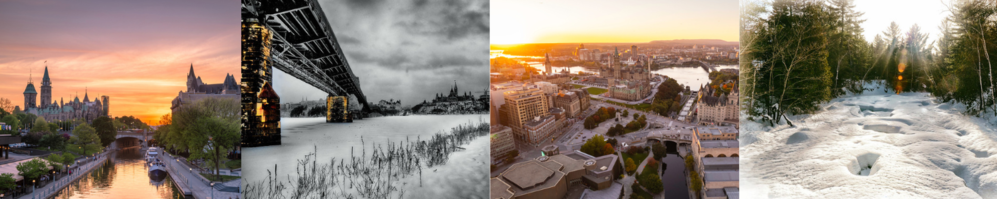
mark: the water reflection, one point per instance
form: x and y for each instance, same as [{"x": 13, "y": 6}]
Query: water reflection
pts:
[
  {"x": 673, "y": 177},
  {"x": 124, "y": 175}
]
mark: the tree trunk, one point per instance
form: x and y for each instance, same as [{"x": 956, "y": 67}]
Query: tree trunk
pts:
[{"x": 217, "y": 166}]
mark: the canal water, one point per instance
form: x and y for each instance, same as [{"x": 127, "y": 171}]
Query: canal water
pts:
[
  {"x": 123, "y": 175},
  {"x": 674, "y": 176}
]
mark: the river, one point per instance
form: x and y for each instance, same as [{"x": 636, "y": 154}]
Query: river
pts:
[
  {"x": 124, "y": 175},
  {"x": 687, "y": 76},
  {"x": 464, "y": 175}
]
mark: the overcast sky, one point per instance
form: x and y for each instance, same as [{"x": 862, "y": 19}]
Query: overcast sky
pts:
[
  {"x": 408, "y": 50},
  {"x": 136, "y": 52}
]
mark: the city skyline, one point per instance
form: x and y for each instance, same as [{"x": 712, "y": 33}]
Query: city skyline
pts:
[
  {"x": 558, "y": 21},
  {"x": 140, "y": 61}
]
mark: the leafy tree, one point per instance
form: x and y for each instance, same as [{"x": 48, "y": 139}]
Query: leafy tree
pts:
[
  {"x": 12, "y": 121},
  {"x": 53, "y": 141},
  {"x": 68, "y": 159},
  {"x": 40, "y": 125},
  {"x": 54, "y": 160},
  {"x": 213, "y": 130},
  {"x": 595, "y": 146},
  {"x": 27, "y": 119},
  {"x": 53, "y": 127},
  {"x": 689, "y": 163},
  {"x": 608, "y": 149},
  {"x": 297, "y": 111},
  {"x": 105, "y": 130},
  {"x": 7, "y": 182},
  {"x": 659, "y": 150},
  {"x": 5, "y": 104},
  {"x": 651, "y": 181},
  {"x": 316, "y": 111},
  {"x": 86, "y": 137},
  {"x": 697, "y": 182},
  {"x": 631, "y": 166},
  {"x": 32, "y": 169}
]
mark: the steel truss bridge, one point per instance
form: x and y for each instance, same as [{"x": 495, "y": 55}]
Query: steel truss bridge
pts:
[{"x": 304, "y": 46}]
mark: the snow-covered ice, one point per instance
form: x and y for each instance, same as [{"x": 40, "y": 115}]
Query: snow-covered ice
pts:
[
  {"x": 872, "y": 145},
  {"x": 465, "y": 175}
]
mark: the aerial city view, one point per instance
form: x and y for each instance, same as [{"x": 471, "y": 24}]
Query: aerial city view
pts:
[
  {"x": 868, "y": 99},
  {"x": 639, "y": 102},
  {"x": 109, "y": 107},
  {"x": 358, "y": 99}
]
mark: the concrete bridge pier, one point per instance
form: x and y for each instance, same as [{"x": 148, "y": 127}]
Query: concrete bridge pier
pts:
[{"x": 337, "y": 109}]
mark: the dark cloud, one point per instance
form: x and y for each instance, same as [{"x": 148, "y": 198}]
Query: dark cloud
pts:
[
  {"x": 364, "y": 4},
  {"x": 408, "y": 49},
  {"x": 449, "y": 19},
  {"x": 343, "y": 39},
  {"x": 453, "y": 60}
]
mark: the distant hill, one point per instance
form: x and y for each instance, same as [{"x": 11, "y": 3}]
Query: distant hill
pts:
[
  {"x": 693, "y": 42},
  {"x": 556, "y": 49}
]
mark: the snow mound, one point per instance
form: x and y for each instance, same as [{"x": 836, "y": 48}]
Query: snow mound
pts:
[
  {"x": 872, "y": 145},
  {"x": 797, "y": 138}
]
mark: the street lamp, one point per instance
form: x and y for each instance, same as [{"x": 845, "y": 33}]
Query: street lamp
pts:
[{"x": 212, "y": 190}]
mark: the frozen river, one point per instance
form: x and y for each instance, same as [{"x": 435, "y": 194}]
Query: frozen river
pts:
[
  {"x": 465, "y": 175},
  {"x": 872, "y": 145}
]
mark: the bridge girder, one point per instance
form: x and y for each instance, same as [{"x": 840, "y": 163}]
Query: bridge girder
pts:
[{"x": 305, "y": 45}]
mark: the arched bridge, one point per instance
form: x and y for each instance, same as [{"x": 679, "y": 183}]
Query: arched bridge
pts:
[
  {"x": 663, "y": 136},
  {"x": 141, "y": 135}
]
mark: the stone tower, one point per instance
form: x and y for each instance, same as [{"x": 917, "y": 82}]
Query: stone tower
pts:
[
  {"x": 30, "y": 95},
  {"x": 191, "y": 79},
  {"x": 616, "y": 62},
  {"x": 547, "y": 64},
  {"x": 46, "y": 90}
]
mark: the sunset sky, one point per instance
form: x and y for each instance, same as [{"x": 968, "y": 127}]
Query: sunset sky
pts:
[
  {"x": 598, "y": 21},
  {"x": 138, "y": 53}
]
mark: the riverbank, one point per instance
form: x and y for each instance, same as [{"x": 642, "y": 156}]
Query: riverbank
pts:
[{"x": 53, "y": 188}]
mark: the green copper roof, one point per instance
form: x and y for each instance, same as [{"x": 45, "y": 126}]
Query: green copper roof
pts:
[
  {"x": 45, "y": 79},
  {"x": 30, "y": 89}
]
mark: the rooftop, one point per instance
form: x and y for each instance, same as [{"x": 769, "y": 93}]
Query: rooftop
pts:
[
  {"x": 718, "y": 144},
  {"x": 527, "y": 175},
  {"x": 500, "y": 190},
  {"x": 537, "y": 122},
  {"x": 720, "y": 176},
  {"x": 721, "y": 161}
]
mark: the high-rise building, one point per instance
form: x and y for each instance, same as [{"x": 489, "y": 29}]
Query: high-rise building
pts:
[
  {"x": 256, "y": 73},
  {"x": 501, "y": 142},
  {"x": 525, "y": 105}
]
